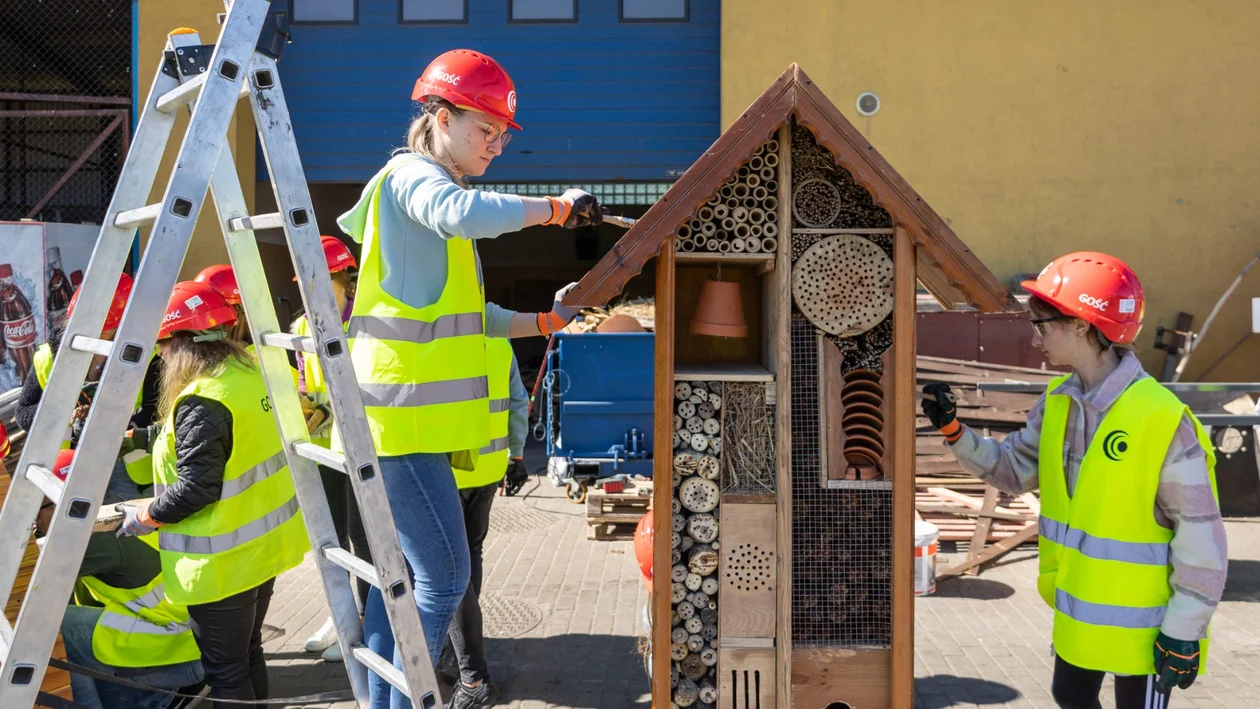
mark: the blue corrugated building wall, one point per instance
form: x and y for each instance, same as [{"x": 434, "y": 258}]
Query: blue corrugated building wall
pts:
[{"x": 599, "y": 100}]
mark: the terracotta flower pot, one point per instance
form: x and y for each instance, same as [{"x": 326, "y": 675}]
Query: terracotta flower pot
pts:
[{"x": 720, "y": 312}]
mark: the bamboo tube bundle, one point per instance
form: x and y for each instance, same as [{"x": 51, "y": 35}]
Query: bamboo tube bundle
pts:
[{"x": 735, "y": 218}]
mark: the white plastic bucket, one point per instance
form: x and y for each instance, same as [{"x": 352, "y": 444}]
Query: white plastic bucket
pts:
[{"x": 925, "y": 536}]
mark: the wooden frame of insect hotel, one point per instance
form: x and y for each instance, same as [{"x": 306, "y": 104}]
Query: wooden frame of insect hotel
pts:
[{"x": 788, "y": 258}]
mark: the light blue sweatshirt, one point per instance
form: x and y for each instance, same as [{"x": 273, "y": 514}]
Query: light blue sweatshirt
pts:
[
  {"x": 518, "y": 412},
  {"x": 421, "y": 207}
]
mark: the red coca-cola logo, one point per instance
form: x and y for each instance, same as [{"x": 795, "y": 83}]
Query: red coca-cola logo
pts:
[{"x": 20, "y": 333}]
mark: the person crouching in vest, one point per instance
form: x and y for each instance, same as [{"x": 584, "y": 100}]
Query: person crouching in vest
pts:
[
  {"x": 347, "y": 520},
  {"x": 1132, "y": 545},
  {"x": 417, "y": 329},
  {"x": 225, "y": 509},
  {"x": 133, "y": 471},
  {"x": 122, "y": 623}
]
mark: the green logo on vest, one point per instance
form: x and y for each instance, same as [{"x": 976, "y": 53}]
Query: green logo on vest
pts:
[{"x": 1115, "y": 445}]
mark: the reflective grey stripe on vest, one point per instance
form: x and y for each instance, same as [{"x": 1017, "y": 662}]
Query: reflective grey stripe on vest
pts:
[
  {"x": 188, "y": 544},
  {"x": 148, "y": 601},
  {"x": 128, "y": 624},
  {"x": 1101, "y": 548},
  {"x": 497, "y": 444},
  {"x": 416, "y": 332},
  {"x": 256, "y": 474},
  {"x": 1137, "y": 618},
  {"x": 449, "y": 391},
  {"x": 498, "y": 406}
]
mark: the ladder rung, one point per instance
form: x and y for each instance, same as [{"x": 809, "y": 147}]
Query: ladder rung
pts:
[
  {"x": 294, "y": 343},
  {"x": 133, "y": 218},
  {"x": 274, "y": 220},
  {"x": 50, "y": 484},
  {"x": 181, "y": 95},
  {"x": 353, "y": 564},
  {"x": 321, "y": 455},
  {"x": 382, "y": 667},
  {"x": 95, "y": 345}
]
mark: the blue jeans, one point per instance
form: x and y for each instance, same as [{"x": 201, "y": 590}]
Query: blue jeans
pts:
[
  {"x": 430, "y": 522},
  {"x": 77, "y": 626}
]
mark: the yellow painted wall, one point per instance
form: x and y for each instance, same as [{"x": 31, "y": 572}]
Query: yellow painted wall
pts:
[
  {"x": 156, "y": 19},
  {"x": 1038, "y": 128}
]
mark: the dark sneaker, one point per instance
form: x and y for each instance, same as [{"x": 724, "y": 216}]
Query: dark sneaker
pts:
[{"x": 479, "y": 697}]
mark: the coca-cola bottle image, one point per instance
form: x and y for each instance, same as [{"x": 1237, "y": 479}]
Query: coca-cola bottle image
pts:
[
  {"x": 76, "y": 278},
  {"x": 59, "y": 291},
  {"x": 18, "y": 322}
]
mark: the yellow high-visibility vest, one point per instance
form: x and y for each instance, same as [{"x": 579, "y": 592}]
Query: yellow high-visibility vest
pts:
[
  {"x": 255, "y": 530},
  {"x": 421, "y": 371},
  {"x": 492, "y": 463},
  {"x": 1103, "y": 560}
]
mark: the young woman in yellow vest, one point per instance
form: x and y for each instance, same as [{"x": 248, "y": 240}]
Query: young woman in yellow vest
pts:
[
  {"x": 509, "y": 407},
  {"x": 1132, "y": 545},
  {"x": 122, "y": 624},
  {"x": 341, "y": 502},
  {"x": 225, "y": 509},
  {"x": 133, "y": 473},
  {"x": 418, "y": 327}
]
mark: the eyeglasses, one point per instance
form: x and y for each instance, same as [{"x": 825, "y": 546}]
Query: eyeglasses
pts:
[
  {"x": 1039, "y": 324},
  {"x": 493, "y": 132}
]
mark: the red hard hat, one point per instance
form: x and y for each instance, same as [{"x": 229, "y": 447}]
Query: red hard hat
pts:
[
  {"x": 643, "y": 536},
  {"x": 4, "y": 441},
  {"x": 61, "y": 468},
  {"x": 469, "y": 79},
  {"x": 336, "y": 254},
  {"x": 197, "y": 307},
  {"x": 1101, "y": 290},
  {"x": 121, "y": 293},
  {"x": 221, "y": 278}
]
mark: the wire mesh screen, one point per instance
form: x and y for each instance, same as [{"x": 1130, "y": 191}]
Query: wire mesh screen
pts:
[
  {"x": 841, "y": 539},
  {"x": 748, "y": 433},
  {"x": 65, "y": 106}
]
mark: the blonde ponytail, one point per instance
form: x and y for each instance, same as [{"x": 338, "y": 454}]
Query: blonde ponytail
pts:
[{"x": 422, "y": 138}]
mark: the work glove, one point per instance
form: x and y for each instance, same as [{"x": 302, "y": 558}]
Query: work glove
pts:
[
  {"x": 516, "y": 477},
  {"x": 939, "y": 408},
  {"x": 1176, "y": 663},
  {"x": 560, "y": 314},
  {"x": 575, "y": 208},
  {"x": 137, "y": 522}
]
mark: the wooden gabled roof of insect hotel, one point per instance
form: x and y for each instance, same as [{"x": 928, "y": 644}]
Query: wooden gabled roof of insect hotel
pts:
[{"x": 946, "y": 267}]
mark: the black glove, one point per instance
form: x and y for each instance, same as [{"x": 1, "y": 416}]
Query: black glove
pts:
[
  {"x": 1176, "y": 663},
  {"x": 516, "y": 477},
  {"x": 938, "y": 405},
  {"x": 584, "y": 209}
]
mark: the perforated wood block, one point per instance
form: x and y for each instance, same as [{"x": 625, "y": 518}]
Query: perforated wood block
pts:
[
  {"x": 746, "y": 678},
  {"x": 748, "y": 578}
]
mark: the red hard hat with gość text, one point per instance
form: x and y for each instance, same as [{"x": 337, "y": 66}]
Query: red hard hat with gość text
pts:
[
  {"x": 469, "y": 79},
  {"x": 4, "y": 441},
  {"x": 197, "y": 307},
  {"x": 221, "y": 277},
  {"x": 643, "y": 536},
  {"x": 116, "y": 306},
  {"x": 1100, "y": 289},
  {"x": 336, "y": 254},
  {"x": 61, "y": 468}
]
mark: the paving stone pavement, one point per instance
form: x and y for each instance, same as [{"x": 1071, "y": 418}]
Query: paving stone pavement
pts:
[
  {"x": 571, "y": 605},
  {"x": 985, "y": 641}
]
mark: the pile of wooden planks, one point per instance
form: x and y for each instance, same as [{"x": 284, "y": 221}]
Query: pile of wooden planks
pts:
[
  {"x": 613, "y": 516},
  {"x": 960, "y": 505}
]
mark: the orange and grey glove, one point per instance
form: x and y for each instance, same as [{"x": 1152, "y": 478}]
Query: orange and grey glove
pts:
[
  {"x": 575, "y": 208},
  {"x": 939, "y": 408},
  {"x": 137, "y": 522},
  {"x": 559, "y": 315}
]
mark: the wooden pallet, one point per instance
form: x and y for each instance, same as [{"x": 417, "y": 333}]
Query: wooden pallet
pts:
[{"x": 614, "y": 516}]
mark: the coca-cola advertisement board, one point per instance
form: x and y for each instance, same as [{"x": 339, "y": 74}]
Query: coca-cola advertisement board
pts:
[
  {"x": 67, "y": 250},
  {"x": 23, "y": 302}
]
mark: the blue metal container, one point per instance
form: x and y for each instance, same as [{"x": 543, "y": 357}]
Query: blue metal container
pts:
[{"x": 599, "y": 417}]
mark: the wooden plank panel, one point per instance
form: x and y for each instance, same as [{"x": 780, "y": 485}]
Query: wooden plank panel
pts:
[
  {"x": 747, "y": 576},
  {"x": 783, "y": 277},
  {"x": 662, "y": 473},
  {"x": 745, "y": 678},
  {"x": 902, "y": 472},
  {"x": 859, "y": 678}
]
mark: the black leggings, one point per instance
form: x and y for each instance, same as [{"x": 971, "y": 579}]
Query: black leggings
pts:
[
  {"x": 347, "y": 520},
  {"x": 229, "y": 633},
  {"x": 1077, "y": 688}
]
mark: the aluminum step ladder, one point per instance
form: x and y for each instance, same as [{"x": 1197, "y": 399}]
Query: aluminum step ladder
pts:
[{"x": 208, "y": 80}]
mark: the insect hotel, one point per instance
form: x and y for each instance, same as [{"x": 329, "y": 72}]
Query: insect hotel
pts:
[{"x": 788, "y": 258}]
